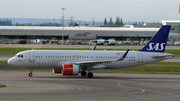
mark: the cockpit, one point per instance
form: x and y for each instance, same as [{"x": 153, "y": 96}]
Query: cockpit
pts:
[{"x": 19, "y": 56}]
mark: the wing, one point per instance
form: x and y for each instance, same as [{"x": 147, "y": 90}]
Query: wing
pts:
[{"x": 103, "y": 61}]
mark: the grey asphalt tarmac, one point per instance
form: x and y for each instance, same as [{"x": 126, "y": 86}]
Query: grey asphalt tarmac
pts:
[{"x": 103, "y": 87}]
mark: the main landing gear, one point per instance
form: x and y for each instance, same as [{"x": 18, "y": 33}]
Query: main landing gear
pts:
[
  {"x": 30, "y": 73},
  {"x": 89, "y": 75},
  {"x": 83, "y": 73}
]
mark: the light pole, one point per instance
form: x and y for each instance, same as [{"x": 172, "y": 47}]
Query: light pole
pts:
[
  {"x": 14, "y": 21},
  {"x": 63, "y": 25}
]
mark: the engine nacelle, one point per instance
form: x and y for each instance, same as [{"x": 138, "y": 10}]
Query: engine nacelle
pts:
[
  {"x": 70, "y": 69},
  {"x": 57, "y": 70}
]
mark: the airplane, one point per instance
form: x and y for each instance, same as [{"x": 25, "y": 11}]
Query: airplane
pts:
[{"x": 73, "y": 62}]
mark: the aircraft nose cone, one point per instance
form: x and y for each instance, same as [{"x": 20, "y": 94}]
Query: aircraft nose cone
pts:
[{"x": 10, "y": 61}]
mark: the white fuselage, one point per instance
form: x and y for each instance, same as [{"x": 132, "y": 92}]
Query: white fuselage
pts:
[{"x": 55, "y": 58}]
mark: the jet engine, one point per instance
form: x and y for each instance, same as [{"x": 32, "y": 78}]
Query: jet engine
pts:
[
  {"x": 57, "y": 70},
  {"x": 70, "y": 69}
]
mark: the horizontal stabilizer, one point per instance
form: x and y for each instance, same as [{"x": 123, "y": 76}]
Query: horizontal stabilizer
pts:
[{"x": 162, "y": 56}]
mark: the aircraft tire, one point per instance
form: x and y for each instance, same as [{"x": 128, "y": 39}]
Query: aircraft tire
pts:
[
  {"x": 83, "y": 73},
  {"x": 30, "y": 74},
  {"x": 90, "y": 75}
]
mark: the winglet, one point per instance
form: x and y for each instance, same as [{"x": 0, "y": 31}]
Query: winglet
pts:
[
  {"x": 124, "y": 56},
  {"x": 94, "y": 48}
]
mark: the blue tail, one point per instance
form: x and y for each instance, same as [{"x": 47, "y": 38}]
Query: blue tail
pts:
[{"x": 158, "y": 41}]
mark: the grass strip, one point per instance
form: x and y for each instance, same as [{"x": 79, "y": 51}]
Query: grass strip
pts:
[
  {"x": 26, "y": 70},
  {"x": 1, "y": 85},
  {"x": 153, "y": 68},
  {"x": 3, "y": 63}
]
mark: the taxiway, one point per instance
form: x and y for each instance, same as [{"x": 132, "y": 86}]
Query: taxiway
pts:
[{"x": 45, "y": 86}]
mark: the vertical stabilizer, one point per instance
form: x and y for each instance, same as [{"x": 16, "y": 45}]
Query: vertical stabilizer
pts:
[{"x": 158, "y": 41}]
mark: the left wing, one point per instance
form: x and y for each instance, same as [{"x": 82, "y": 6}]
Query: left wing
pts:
[{"x": 103, "y": 61}]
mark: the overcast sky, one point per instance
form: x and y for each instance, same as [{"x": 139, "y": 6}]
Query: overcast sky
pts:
[{"x": 85, "y": 10}]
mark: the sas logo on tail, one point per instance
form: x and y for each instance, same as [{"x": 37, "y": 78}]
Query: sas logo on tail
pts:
[{"x": 157, "y": 46}]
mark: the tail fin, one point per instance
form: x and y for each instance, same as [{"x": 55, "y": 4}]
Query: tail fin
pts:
[{"x": 158, "y": 41}]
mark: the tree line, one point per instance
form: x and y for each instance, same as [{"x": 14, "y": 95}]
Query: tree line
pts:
[{"x": 119, "y": 22}]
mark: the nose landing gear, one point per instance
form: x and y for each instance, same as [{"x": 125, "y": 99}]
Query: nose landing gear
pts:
[{"x": 30, "y": 74}]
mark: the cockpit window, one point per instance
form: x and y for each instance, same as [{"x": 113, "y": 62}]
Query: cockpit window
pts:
[{"x": 20, "y": 56}]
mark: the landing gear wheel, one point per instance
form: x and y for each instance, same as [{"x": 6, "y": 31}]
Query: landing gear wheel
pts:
[
  {"x": 30, "y": 74},
  {"x": 83, "y": 73},
  {"x": 90, "y": 75}
]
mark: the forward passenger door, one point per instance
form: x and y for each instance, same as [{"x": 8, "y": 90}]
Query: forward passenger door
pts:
[{"x": 31, "y": 57}]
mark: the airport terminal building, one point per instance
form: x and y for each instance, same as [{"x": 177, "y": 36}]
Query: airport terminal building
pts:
[
  {"x": 86, "y": 33},
  {"x": 74, "y": 33}
]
